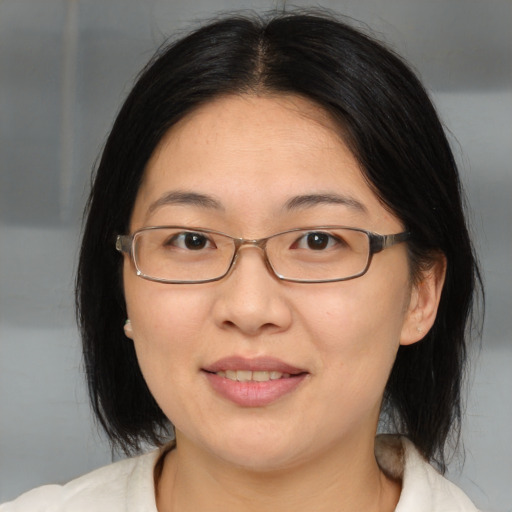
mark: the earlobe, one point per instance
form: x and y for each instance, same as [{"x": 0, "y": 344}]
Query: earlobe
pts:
[
  {"x": 128, "y": 331},
  {"x": 424, "y": 302}
]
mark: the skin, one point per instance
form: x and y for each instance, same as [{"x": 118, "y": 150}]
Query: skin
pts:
[{"x": 312, "y": 449}]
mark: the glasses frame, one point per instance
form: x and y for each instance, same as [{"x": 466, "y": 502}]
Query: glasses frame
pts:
[{"x": 377, "y": 243}]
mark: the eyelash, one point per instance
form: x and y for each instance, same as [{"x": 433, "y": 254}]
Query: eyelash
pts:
[
  {"x": 183, "y": 237},
  {"x": 332, "y": 240}
]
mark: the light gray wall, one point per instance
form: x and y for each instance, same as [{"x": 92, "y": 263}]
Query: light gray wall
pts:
[{"x": 65, "y": 67}]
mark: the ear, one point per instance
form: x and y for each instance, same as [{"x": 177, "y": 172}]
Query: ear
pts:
[
  {"x": 424, "y": 301},
  {"x": 128, "y": 331}
]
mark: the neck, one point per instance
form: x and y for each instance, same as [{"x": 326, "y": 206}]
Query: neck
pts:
[{"x": 340, "y": 480}]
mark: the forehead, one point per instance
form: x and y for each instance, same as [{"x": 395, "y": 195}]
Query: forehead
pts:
[
  {"x": 249, "y": 124},
  {"x": 252, "y": 155},
  {"x": 269, "y": 111}
]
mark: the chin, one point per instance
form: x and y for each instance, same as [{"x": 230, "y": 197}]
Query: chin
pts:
[{"x": 263, "y": 453}]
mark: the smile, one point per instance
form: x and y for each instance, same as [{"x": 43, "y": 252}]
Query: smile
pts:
[
  {"x": 248, "y": 376},
  {"x": 253, "y": 382}
]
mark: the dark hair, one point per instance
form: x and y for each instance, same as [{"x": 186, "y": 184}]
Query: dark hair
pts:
[{"x": 392, "y": 128}]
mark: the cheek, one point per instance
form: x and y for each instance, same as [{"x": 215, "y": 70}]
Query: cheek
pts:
[
  {"x": 358, "y": 313},
  {"x": 166, "y": 328},
  {"x": 159, "y": 309},
  {"x": 356, "y": 338},
  {"x": 356, "y": 328}
]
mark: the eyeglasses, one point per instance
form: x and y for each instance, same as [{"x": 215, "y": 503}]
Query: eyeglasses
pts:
[{"x": 181, "y": 255}]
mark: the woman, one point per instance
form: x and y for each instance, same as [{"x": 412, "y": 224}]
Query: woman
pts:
[{"x": 275, "y": 260}]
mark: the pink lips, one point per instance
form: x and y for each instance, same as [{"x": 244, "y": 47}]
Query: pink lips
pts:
[{"x": 252, "y": 393}]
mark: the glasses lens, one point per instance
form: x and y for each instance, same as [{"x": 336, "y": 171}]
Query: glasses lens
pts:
[
  {"x": 319, "y": 254},
  {"x": 181, "y": 255}
]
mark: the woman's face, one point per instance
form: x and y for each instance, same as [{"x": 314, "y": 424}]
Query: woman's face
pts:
[{"x": 250, "y": 157}]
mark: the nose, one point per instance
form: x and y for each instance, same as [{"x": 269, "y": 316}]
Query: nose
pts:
[{"x": 251, "y": 299}]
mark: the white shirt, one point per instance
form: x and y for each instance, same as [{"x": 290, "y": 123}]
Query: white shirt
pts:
[{"x": 128, "y": 486}]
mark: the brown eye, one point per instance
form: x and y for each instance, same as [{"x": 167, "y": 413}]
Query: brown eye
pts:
[
  {"x": 317, "y": 241},
  {"x": 191, "y": 241},
  {"x": 195, "y": 241}
]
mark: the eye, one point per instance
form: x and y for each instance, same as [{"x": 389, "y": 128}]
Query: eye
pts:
[
  {"x": 190, "y": 241},
  {"x": 317, "y": 241}
]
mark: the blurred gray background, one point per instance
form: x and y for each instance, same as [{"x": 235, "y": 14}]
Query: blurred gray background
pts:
[{"x": 65, "y": 66}]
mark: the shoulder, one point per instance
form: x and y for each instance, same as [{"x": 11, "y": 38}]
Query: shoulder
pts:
[
  {"x": 424, "y": 489},
  {"x": 110, "y": 488}
]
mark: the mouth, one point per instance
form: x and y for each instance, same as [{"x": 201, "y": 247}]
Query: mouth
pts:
[
  {"x": 253, "y": 382},
  {"x": 259, "y": 369},
  {"x": 249, "y": 376}
]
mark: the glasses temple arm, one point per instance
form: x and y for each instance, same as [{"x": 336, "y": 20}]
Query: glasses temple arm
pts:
[{"x": 380, "y": 242}]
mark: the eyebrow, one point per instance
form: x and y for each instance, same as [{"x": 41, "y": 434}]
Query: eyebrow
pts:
[
  {"x": 310, "y": 200},
  {"x": 186, "y": 198},
  {"x": 295, "y": 203}
]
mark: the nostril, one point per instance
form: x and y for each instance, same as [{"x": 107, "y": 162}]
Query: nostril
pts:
[{"x": 251, "y": 329}]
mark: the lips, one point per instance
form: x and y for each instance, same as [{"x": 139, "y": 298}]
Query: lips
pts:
[
  {"x": 253, "y": 382},
  {"x": 268, "y": 364},
  {"x": 247, "y": 375}
]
